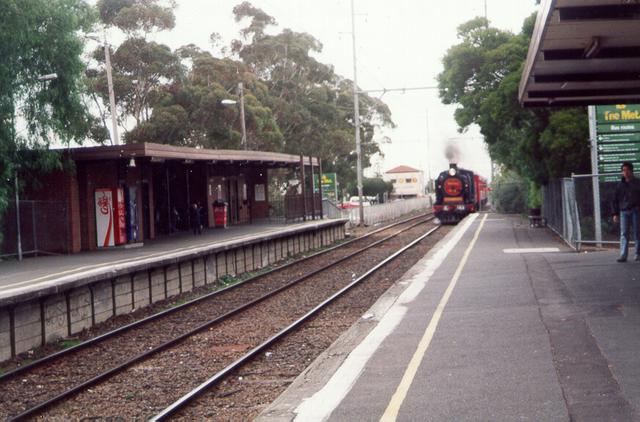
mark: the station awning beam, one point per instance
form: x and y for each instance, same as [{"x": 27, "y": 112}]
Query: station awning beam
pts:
[{"x": 583, "y": 54}]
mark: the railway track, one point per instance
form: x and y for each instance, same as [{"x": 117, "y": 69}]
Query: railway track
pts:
[
  {"x": 40, "y": 385},
  {"x": 186, "y": 400}
]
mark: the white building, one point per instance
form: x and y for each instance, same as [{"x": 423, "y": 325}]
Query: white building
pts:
[{"x": 407, "y": 182}]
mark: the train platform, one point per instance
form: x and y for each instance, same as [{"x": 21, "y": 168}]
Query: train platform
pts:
[
  {"x": 36, "y": 274},
  {"x": 499, "y": 322}
]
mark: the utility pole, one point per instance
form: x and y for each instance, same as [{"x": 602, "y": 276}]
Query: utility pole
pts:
[
  {"x": 244, "y": 128},
  {"x": 112, "y": 97},
  {"x": 426, "y": 112},
  {"x": 356, "y": 109},
  {"x": 486, "y": 15}
]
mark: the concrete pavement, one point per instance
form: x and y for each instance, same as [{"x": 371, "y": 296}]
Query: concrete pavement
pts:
[{"x": 515, "y": 333}]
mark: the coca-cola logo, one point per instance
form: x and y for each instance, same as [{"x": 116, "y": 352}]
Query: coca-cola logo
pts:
[{"x": 103, "y": 204}]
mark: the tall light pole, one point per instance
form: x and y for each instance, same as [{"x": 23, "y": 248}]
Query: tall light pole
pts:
[
  {"x": 112, "y": 98},
  {"x": 17, "y": 184},
  {"x": 244, "y": 128},
  {"x": 242, "y": 123},
  {"x": 356, "y": 110}
]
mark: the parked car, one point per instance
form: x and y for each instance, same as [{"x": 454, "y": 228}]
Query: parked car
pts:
[{"x": 354, "y": 202}]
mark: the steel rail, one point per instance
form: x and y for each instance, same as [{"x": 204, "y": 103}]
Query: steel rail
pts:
[
  {"x": 142, "y": 356},
  {"x": 39, "y": 362},
  {"x": 187, "y": 398}
]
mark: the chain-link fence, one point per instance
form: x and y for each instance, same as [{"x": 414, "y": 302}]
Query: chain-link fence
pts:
[
  {"x": 569, "y": 208},
  {"x": 559, "y": 208},
  {"x": 290, "y": 208},
  {"x": 43, "y": 229},
  {"x": 593, "y": 233}
]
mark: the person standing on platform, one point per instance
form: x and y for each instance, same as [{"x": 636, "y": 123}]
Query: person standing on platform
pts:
[
  {"x": 174, "y": 220},
  {"x": 625, "y": 210},
  {"x": 196, "y": 220}
]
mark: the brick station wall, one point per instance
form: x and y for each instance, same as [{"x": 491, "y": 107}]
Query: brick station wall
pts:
[{"x": 34, "y": 323}]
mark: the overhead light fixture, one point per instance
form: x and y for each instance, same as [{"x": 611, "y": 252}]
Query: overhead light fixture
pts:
[
  {"x": 188, "y": 161},
  {"x": 132, "y": 162},
  {"x": 48, "y": 77}
]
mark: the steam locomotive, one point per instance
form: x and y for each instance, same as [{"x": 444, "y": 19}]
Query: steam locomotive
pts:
[{"x": 458, "y": 193}]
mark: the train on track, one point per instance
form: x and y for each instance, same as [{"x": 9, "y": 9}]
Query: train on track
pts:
[{"x": 458, "y": 193}]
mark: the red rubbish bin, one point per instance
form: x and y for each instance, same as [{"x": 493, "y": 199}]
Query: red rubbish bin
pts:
[{"x": 220, "y": 214}]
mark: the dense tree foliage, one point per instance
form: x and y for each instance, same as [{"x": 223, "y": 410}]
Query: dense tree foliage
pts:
[
  {"x": 312, "y": 105},
  {"x": 293, "y": 103},
  {"x": 190, "y": 111},
  {"x": 481, "y": 75},
  {"x": 509, "y": 193},
  {"x": 374, "y": 186},
  {"x": 39, "y": 37},
  {"x": 141, "y": 68}
]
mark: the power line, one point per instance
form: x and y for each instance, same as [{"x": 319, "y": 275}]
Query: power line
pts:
[{"x": 385, "y": 90}]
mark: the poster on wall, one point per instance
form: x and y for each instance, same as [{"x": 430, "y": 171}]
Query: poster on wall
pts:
[
  {"x": 120, "y": 218},
  {"x": 104, "y": 218},
  {"x": 260, "y": 192}
]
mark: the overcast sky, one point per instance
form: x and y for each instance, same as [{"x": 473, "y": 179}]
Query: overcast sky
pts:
[{"x": 400, "y": 44}]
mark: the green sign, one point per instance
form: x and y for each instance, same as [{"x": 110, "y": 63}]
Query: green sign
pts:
[
  {"x": 618, "y": 137},
  {"x": 329, "y": 185},
  {"x": 619, "y": 148},
  {"x": 618, "y": 127},
  {"x": 619, "y": 157},
  {"x": 614, "y": 167},
  {"x": 609, "y": 178},
  {"x": 620, "y": 113}
]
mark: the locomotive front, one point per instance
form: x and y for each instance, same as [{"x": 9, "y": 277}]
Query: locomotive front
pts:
[{"x": 454, "y": 199}]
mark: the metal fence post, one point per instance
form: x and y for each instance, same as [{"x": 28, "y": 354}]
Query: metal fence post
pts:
[
  {"x": 597, "y": 217},
  {"x": 18, "y": 219},
  {"x": 34, "y": 228}
]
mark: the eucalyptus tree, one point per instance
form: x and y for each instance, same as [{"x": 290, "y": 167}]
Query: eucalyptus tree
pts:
[
  {"x": 141, "y": 68},
  {"x": 40, "y": 37},
  {"x": 481, "y": 76},
  {"x": 313, "y": 106},
  {"x": 191, "y": 112}
]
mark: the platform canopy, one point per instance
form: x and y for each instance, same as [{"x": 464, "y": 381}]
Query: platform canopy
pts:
[
  {"x": 162, "y": 152},
  {"x": 583, "y": 52}
]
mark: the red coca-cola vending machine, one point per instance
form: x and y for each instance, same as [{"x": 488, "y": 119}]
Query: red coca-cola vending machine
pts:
[{"x": 110, "y": 217}]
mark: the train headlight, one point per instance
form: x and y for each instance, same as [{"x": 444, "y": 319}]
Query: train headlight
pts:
[
  {"x": 452, "y": 172},
  {"x": 460, "y": 207}
]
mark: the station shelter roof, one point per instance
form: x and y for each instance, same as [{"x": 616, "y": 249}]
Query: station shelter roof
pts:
[
  {"x": 162, "y": 152},
  {"x": 583, "y": 52}
]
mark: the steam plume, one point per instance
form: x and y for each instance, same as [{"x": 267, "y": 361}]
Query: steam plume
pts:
[{"x": 452, "y": 152}]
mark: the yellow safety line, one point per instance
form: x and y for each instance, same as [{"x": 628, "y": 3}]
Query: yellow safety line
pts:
[{"x": 391, "y": 413}]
